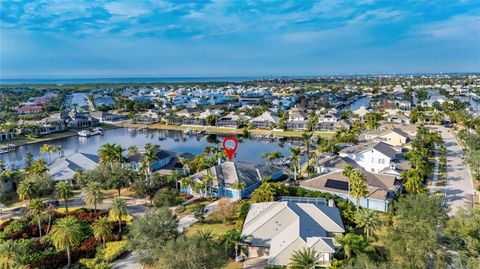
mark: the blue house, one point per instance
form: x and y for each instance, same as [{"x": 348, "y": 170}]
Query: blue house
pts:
[
  {"x": 234, "y": 179},
  {"x": 163, "y": 158}
]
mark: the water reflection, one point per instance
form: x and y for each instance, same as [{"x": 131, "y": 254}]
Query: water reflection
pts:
[{"x": 248, "y": 150}]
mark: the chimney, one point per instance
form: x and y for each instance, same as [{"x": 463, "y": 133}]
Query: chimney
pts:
[{"x": 331, "y": 203}]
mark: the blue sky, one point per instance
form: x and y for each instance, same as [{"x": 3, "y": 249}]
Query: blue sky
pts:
[{"x": 168, "y": 38}]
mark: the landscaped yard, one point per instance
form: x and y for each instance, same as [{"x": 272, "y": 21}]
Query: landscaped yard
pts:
[
  {"x": 217, "y": 228},
  {"x": 190, "y": 207}
]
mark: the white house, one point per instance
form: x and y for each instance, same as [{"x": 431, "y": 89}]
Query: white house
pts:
[{"x": 371, "y": 156}]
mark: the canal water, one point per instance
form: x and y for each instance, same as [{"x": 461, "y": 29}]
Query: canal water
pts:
[{"x": 248, "y": 149}]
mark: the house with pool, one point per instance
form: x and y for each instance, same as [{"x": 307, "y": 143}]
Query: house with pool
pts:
[
  {"x": 162, "y": 159},
  {"x": 232, "y": 179}
]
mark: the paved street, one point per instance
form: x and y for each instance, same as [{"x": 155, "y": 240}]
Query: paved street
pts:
[{"x": 459, "y": 192}]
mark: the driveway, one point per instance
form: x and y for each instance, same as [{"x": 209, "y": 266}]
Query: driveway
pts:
[{"x": 459, "y": 186}]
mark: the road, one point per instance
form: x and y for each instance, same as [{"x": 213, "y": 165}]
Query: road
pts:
[{"x": 459, "y": 186}]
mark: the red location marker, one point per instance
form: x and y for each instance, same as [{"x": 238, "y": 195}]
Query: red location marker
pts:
[{"x": 230, "y": 151}]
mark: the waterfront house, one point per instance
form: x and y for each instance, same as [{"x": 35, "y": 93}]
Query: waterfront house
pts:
[
  {"x": 78, "y": 120},
  {"x": 51, "y": 125},
  {"x": 275, "y": 230},
  {"x": 297, "y": 120},
  {"x": 6, "y": 135},
  {"x": 229, "y": 176},
  {"x": 331, "y": 126},
  {"x": 382, "y": 188},
  {"x": 149, "y": 117},
  {"x": 232, "y": 120},
  {"x": 108, "y": 117},
  {"x": 64, "y": 168},
  {"x": 265, "y": 121},
  {"x": 163, "y": 158},
  {"x": 29, "y": 109}
]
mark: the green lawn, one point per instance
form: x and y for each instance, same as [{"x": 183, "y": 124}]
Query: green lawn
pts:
[
  {"x": 191, "y": 206},
  {"x": 233, "y": 265},
  {"x": 217, "y": 228}
]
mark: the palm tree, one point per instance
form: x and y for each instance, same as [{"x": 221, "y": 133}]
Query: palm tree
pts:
[
  {"x": 412, "y": 181},
  {"x": 64, "y": 191},
  {"x": 50, "y": 210},
  {"x": 185, "y": 165},
  {"x": 36, "y": 208},
  {"x": 118, "y": 210},
  {"x": 92, "y": 194},
  {"x": 132, "y": 150},
  {"x": 9, "y": 257},
  {"x": 148, "y": 159},
  {"x": 27, "y": 189},
  {"x": 66, "y": 234},
  {"x": 110, "y": 153},
  {"x": 57, "y": 149},
  {"x": 102, "y": 230},
  {"x": 266, "y": 157},
  {"x": 173, "y": 178},
  {"x": 205, "y": 235},
  {"x": 233, "y": 239},
  {"x": 207, "y": 180},
  {"x": 347, "y": 171},
  {"x": 358, "y": 185},
  {"x": 307, "y": 137},
  {"x": 295, "y": 160},
  {"x": 47, "y": 149},
  {"x": 351, "y": 244},
  {"x": 368, "y": 220},
  {"x": 307, "y": 258}
]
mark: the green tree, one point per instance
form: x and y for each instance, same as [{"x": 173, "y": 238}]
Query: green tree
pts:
[
  {"x": 149, "y": 158},
  {"x": 9, "y": 255},
  {"x": 464, "y": 231},
  {"x": 36, "y": 208},
  {"x": 150, "y": 232},
  {"x": 358, "y": 186},
  {"x": 411, "y": 238},
  {"x": 64, "y": 191},
  {"x": 66, "y": 234},
  {"x": 110, "y": 153},
  {"x": 92, "y": 194},
  {"x": 412, "y": 181},
  {"x": 102, "y": 230},
  {"x": 118, "y": 210},
  {"x": 27, "y": 190},
  {"x": 296, "y": 154},
  {"x": 306, "y": 258},
  {"x": 368, "y": 220},
  {"x": 47, "y": 149},
  {"x": 352, "y": 244}
]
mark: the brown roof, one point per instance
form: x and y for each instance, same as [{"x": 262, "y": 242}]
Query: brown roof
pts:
[{"x": 379, "y": 185}]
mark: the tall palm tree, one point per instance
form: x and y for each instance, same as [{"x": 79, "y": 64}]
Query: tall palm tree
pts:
[
  {"x": 92, "y": 194},
  {"x": 64, "y": 191},
  {"x": 118, "y": 210},
  {"x": 275, "y": 155},
  {"x": 307, "y": 258},
  {"x": 358, "y": 186},
  {"x": 412, "y": 181},
  {"x": 174, "y": 178},
  {"x": 66, "y": 234},
  {"x": 9, "y": 258},
  {"x": 185, "y": 165},
  {"x": 186, "y": 182},
  {"x": 307, "y": 137},
  {"x": 266, "y": 157},
  {"x": 47, "y": 149},
  {"x": 57, "y": 149},
  {"x": 50, "y": 210},
  {"x": 368, "y": 220},
  {"x": 102, "y": 230},
  {"x": 148, "y": 159},
  {"x": 207, "y": 181},
  {"x": 347, "y": 171},
  {"x": 36, "y": 208},
  {"x": 295, "y": 160}
]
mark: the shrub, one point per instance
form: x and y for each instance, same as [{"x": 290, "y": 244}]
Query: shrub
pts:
[
  {"x": 89, "y": 263},
  {"x": 180, "y": 209},
  {"x": 166, "y": 198},
  {"x": 113, "y": 250}
]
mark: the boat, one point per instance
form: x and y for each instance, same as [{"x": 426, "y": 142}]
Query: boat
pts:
[
  {"x": 187, "y": 131},
  {"x": 7, "y": 148},
  {"x": 84, "y": 133},
  {"x": 98, "y": 131}
]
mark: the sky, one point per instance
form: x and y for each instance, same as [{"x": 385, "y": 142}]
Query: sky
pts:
[{"x": 179, "y": 38}]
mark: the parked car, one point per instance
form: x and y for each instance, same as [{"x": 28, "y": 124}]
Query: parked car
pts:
[{"x": 53, "y": 202}]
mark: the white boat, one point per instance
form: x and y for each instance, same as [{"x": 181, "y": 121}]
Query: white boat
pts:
[
  {"x": 84, "y": 133},
  {"x": 7, "y": 148},
  {"x": 98, "y": 131}
]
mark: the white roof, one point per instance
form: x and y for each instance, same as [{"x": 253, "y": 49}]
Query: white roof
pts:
[
  {"x": 64, "y": 168},
  {"x": 286, "y": 227}
]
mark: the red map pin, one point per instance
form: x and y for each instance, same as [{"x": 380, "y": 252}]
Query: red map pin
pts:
[{"x": 230, "y": 151}]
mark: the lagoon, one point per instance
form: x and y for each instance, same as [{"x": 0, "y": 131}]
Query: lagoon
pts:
[{"x": 248, "y": 149}]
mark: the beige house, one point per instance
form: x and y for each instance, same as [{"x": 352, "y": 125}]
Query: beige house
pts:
[{"x": 394, "y": 137}]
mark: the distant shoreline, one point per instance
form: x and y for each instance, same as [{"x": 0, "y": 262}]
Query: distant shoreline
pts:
[{"x": 206, "y": 79}]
